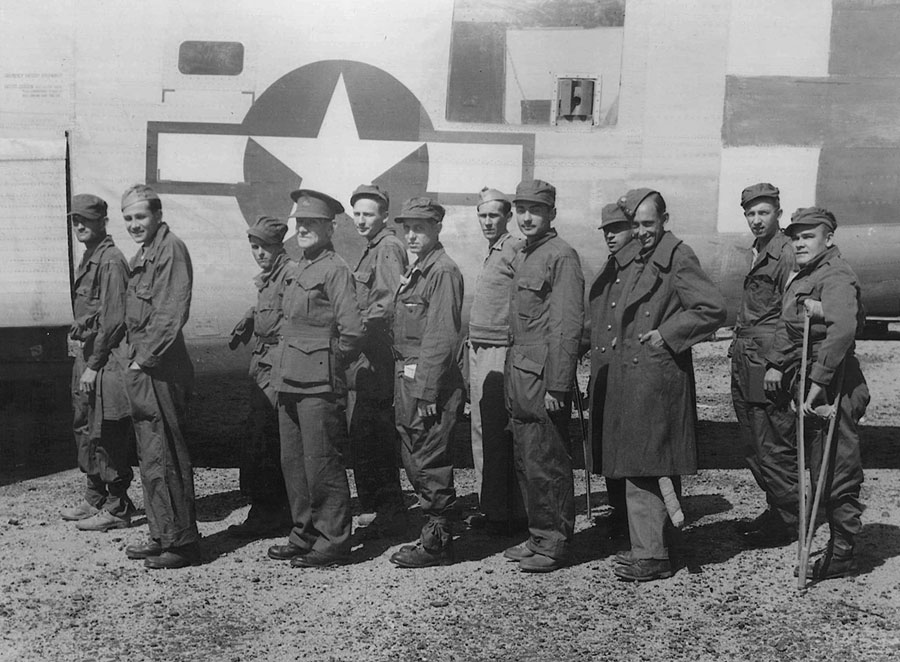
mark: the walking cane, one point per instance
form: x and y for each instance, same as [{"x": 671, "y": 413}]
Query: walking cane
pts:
[
  {"x": 586, "y": 447},
  {"x": 806, "y": 549},
  {"x": 801, "y": 453}
]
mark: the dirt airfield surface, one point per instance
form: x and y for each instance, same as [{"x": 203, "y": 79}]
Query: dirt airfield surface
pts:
[{"x": 69, "y": 595}]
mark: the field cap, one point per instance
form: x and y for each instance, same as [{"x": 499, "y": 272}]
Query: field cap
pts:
[
  {"x": 535, "y": 190},
  {"x": 629, "y": 202},
  {"x": 761, "y": 190},
  {"x": 313, "y": 204},
  {"x": 370, "y": 191},
  {"x": 89, "y": 206},
  {"x": 490, "y": 195},
  {"x": 424, "y": 208},
  {"x": 812, "y": 216},
  {"x": 268, "y": 229},
  {"x": 137, "y": 193},
  {"x": 612, "y": 213}
]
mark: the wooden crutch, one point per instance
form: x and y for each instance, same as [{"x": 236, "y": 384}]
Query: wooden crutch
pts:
[
  {"x": 806, "y": 548},
  {"x": 801, "y": 448}
]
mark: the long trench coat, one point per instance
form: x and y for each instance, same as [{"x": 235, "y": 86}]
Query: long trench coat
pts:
[{"x": 648, "y": 423}]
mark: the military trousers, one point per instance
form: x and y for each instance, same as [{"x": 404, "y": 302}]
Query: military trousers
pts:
[
  {"x": 615, "y": 487},
  {"x": 425, "y": 452},
  {"x": 647, "y": 516},
  {"x": 158, "y": 399},
  {"x": 768, "y": 429},
  {"x": 261, "y": 479},
  {"x": 374, "y": 445},
  {"x": 102, "y": 445},
  {"x": 844, "y": 478},
  {"x": 492, "y": 444},
  {"x": 543, "y": 463},
  {"x": 313, "y": 430}
]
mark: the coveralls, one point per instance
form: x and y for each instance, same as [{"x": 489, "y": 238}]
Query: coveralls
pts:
[
  {"x": 261, "y": 478},
  {"x": 373, "y": 435},
  {"x": 546, "y": 312},
  {"x": 157, "y": 308},
  {"x": 492, "y": 446},
  {"x": 101, "y": 416},
  {"x": 767, "y": 426},
  {"x": 427, "y": 324},
  {"x": 320, "y": 333},
  {"x": 830, "y": 279}
]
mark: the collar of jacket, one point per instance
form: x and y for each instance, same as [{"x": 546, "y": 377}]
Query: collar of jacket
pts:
[
  {"x": 422, "y": 265},
  {"x": 263, "y": 278},
  {"x": 776, "y": 243},
  {"x": 822, "y": 258},
  {"x": 533, "y": 246},
  {"x": 148, "y": 253},
  {"x": 663, "y": 251},
  {"x": 382, "y": 233},
  {"x": 498, "y": 245},
  {"x": 618, "y": 260},
  {"x": 320, "y": 252},
  {"x": 95, "y": 255}
]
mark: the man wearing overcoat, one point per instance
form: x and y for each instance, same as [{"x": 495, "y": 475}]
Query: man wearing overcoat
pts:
[
  {"x": 546, "y": 314},
  {"x": 668, "y": 304},
  {"x": 606, "y": 288}
]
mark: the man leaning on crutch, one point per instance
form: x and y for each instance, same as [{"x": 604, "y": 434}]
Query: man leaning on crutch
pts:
[{"x": 826, "y": 289}]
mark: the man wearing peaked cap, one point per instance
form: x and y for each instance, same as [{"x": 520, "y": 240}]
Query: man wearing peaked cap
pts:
[
  {"x": 546, "y": 312},
  {"x": 261, "y": 479},
  {"x": 768, "y": 430},
  {"x": 374, "y": 444},
  {"x": 667, "y": 305},
  {"x": 97, "y": 342},
  {"x": 488, "y": 345},
  {"x": 159, "y": 379},
  {"x": 606, "y": 288},
  {"x": 320, "y": 335},
  {"x": 428, "y": 387},
  {"x": 826, "y": 289}
]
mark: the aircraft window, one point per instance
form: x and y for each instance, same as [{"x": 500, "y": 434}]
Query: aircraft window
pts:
[
  {"x": 211, "y": 58},
  {"x": 516, "y": 62}
]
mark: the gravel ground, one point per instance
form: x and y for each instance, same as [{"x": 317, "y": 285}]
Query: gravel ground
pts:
[{"x": 68, "y": 595}]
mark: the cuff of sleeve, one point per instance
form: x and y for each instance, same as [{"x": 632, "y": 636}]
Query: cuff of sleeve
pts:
[
  {"x": 821, "y": 375},
  {"x": 96, "y": 362},
  {"x": 423, "y": 393},
  {"x": 146, "y": 360}
]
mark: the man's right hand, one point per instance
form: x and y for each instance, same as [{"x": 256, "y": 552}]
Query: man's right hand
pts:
[{"x": 772, "y": 380}]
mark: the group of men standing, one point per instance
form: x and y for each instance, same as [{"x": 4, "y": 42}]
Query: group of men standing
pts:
[{"x": 369, "y": 359}]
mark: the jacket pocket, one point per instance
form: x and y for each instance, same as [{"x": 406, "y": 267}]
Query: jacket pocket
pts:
[
  {"x": 364, "y": 276},
  {"x": 415, "y": 311},
  {"x": 530, "y": 294},
  {"x": 525, "y": 364},
  {"x": 307, "y": 362}
]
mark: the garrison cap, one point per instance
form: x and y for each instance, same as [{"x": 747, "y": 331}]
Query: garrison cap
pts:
[
  {"x": 535, "y": 190},
  {"x": 137, "y": 193},
  {"x": 761, "y": 190},
  {"x": 313, "y": 204},
  {"x": 88, "y": 206},
  {"x": 268, "y": 229},
  {"x": 370, "y": 191},
  {"x": 629, "y": 202},
  {"x": 811, "y": 216},
  {"x": 424, "y": 208},
  {"x": 612, "y": 213},
  {"x": 490, "y": 195}
]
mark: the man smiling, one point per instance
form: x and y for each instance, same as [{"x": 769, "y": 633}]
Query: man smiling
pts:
[{"x": 159, "y": 379}]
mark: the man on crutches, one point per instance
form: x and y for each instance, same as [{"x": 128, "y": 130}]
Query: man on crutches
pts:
[{"x": 826, "y": 289}]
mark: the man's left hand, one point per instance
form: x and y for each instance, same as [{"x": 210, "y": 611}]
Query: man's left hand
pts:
[
  {"x": 553, "y": 400},
  {"x": 426, "y": 409},
  {"x": 815, "y": 396},
  {"x": 88, "y": 379}
]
